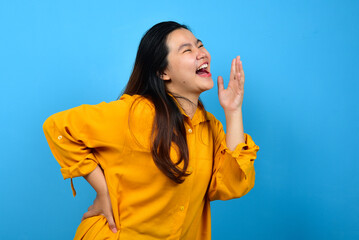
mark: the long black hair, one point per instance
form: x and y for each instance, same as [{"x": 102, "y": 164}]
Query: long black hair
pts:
[{"x": 168, "y": 126}]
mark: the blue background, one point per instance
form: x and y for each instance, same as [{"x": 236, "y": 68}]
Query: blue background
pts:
[{"x": 301, "y": 106}]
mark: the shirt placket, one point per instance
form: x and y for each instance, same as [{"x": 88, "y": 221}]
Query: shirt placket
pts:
[{"x": 184, "y": 199}]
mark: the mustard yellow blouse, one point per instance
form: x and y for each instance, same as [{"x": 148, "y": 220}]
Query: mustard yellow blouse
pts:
[{"x": 147, "y": 205}]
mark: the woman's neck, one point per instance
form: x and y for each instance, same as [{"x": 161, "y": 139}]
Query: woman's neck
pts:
[{"x": 189, "y": 105}]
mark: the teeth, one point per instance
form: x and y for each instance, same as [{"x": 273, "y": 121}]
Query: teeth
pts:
[{"x": 203, "y": 66}]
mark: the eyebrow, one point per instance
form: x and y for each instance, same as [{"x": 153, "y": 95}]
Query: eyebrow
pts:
[{"x": 188, "y": 44}]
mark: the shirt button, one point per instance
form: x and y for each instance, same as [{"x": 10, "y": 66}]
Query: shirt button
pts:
[
  {"x": 181, "y": 208},
  {"x": 190, "y": 130},
  {"x": 59, "y": 137}
]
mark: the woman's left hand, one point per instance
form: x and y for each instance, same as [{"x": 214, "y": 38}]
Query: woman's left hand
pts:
[
  {"x": 231, "y": 99},
  {"x": 102, "y": 206}
]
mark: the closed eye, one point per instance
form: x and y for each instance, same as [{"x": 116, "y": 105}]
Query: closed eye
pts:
[{"x": 190, "y": 49}]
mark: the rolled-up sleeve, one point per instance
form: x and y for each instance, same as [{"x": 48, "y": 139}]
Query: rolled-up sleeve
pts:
[
  {"x": 233, "y": 171},
  {"x": 64, "y": 132},
  {"x": 68, "y": 147}
]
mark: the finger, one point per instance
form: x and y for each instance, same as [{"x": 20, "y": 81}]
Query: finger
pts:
[
  {"x": 238, "y": 77},
  {"x": 233, "y": 70},
  {"x": 240, "y": 66},
  {"x": 242, "y": 72},
  {"x": 238, "y": 69},
  {"x": 220, "y": 84},
  {"x": 88, "y": 214},
  {"x": 111, "y": 222}
]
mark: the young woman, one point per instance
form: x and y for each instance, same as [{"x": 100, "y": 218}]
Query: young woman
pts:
[{"x": 154, "y": 156}]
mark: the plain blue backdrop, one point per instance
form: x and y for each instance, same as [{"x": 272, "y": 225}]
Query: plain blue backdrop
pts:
[{"x": 301, "y": 106}]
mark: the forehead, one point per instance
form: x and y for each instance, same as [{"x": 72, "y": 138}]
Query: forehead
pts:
[{"x": 179, "y": 37}]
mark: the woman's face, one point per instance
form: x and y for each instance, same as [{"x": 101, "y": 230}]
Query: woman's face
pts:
[{"x": 186, "y": 55}]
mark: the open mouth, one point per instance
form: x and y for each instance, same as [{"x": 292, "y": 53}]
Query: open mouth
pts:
[{"x": 202, "y": 71}]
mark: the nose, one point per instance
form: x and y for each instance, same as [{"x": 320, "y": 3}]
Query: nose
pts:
[{"x": 201, "y": 54}]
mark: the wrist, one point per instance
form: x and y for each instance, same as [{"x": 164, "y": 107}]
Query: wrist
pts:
[
  {"x": 102, "y": 193},
  {"x": 233, "y": 113}
]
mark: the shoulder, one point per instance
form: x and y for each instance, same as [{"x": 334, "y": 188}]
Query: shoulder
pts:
[
  {"x": 107, "y": 110},
  {"x": 139, "y": 123},
  {"x": 120, "y": 107},
  {"x": 137, "y": 105},
  {"x": 211, "y": 118},
  {"x": 215, "y": 125}
]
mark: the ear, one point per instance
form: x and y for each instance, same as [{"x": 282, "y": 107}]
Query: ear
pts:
[{"x": 164, "y": 76}]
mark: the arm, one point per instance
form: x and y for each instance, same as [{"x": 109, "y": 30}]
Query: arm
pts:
[
  {"x": 231, "y": 100},
  {"x": 102, "y": 203},
  {"x": 234, "y": 153},
  {"x": 235, "y": 132},
  {"x": 233, "y": 173},
  {"x": 73, "y": 135},
  {"x": 63, "y": 132}
]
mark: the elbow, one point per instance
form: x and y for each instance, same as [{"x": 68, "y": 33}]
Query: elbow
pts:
[
  {"x": 245, "y": 187},
  {"x": 250, "y": 185},
  {"x": 46, "y": 124},
  {"x": 231, "y": 191},
  {"x": 250, "y": 181}
]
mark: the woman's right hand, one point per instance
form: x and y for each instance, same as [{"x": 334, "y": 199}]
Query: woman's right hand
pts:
[{"x": 102, "y": 206}]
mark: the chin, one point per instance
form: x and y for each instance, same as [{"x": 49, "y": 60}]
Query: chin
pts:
[{"x": 209, "y": 85}]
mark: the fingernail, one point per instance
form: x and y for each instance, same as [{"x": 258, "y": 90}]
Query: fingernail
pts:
[{"x": 114, "y": 230}]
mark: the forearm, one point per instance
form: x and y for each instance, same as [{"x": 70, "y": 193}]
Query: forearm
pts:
[
  {"x": 102, "y": 203},
  {"x": 235, "y": 132},
  {"x": 97, "y": 180}
]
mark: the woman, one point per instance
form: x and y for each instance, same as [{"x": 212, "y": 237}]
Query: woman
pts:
[{"x": 154, "y": 156}]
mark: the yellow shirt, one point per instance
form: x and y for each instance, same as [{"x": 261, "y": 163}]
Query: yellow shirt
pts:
[{"x": 147, "y": 205}]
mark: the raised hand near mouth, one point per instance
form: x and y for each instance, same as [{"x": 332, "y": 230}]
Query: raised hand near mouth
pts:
[{"x": 231, "y": 99}]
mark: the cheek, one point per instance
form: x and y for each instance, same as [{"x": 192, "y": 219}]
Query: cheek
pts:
[
  {"x": 183, "y": 68},
  {"x": 186, "y": 69},
  {"x": 189, "y": 63}
]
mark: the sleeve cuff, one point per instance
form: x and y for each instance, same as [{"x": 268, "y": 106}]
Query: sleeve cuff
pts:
[
  {"x": 82, "y": 168},
  {"x": 244, "y": 153},
  {"x": 246, "y": 146}
]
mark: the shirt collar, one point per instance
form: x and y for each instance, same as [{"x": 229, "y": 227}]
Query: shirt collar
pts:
[{"x": 198, "y": 117}]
